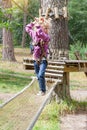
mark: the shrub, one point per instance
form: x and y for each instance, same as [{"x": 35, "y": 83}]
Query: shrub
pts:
[{"x": 78, "y": 46}]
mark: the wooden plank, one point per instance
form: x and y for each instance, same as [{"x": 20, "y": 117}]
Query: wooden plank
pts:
[
  {"x": 51, "y": 74},
  {"x": 71, "y": 69},
  {"x": 53, "y": 80},
  {"x": 50, "y": 79},
  {"x": 69, "y": 66},
  {"x": 75, "y": 61},
  {"x": 84, "y": 65},
  {"x": 30, "y": 64},
  {"x": 55, "y": 67},
  {"x": 56, "y": 62},
  {"x": 49, "y": 66},
  {"x": 54, "y": 71},
  {"x": 54, "y": 76}
]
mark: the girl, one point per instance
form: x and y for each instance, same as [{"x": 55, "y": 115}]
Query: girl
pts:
[{"x": 38, "y": 31}]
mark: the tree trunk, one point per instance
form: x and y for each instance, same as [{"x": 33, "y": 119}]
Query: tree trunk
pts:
[
  {"x": 24, "y": 22},
  {"x": 24, "y": 33},
  {"x": 8, "y": 49},
  {"x": 59, "y": 44}
]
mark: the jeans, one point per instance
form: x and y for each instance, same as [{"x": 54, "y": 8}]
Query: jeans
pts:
[{"x": 40, "y": 72}]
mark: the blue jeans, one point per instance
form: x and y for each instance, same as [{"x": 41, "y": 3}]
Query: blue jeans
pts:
[{"x": 40, "y": 72}]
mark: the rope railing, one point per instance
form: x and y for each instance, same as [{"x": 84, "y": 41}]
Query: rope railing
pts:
[
  {"x": 31, "y": 125},
  {"x": 22, "y": 110},
  {"x": 19, "y": 93}
]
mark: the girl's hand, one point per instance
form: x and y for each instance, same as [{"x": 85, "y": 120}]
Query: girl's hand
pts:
[
  {"x": 36, "y": 19},
  {"x": 34, "y": 22}
]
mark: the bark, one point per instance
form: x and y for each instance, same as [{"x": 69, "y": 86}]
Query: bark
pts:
[
  {"x": 24, "y": 33},
  {"x": 24, "y": 23},
  {"x": 59, "y": 39},
  {"x": 8, "y": 49}
]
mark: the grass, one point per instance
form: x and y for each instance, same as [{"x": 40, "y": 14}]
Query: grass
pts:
[
  {"x": 8, "y": 72},
  {"x": 50, "y": 117},
  {"x": 1, "y": 101},
  {"x": 11, "y": 84},
  {"x": 78, "y": 80}
]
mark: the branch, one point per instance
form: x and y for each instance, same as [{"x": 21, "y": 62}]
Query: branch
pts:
[{"x": 23, "y": 9}]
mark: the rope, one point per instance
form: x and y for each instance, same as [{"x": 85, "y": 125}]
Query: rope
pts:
[
  {"x": 40, "y": 3},
  {"x": 30, "y": 127}
]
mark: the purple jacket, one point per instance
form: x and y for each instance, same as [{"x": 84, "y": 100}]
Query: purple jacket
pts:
[{"x": 37, "y": 36}]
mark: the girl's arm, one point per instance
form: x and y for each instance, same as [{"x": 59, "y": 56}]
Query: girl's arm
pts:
[
  {"x": 44, "y": 36},
  {"x": 29, "y": 29}
]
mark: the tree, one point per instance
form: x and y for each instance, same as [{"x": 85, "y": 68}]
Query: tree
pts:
[
  {"x": 78, "y": 20},
  {"x": 24, "y": 22},
  {"x": 8, "y": 49},
  {"x": 23, "y": 13},
  {"x": 57, "y": 11}
]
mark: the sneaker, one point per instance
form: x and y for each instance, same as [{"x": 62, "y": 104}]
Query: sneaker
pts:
[
  {"x": 43, "y": 93},
  {"x": 40, "y": 93}
]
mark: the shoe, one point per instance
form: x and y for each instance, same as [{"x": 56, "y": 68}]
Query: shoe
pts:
[
  {"x": 43, "y": 93},
  {"x": 40, "y": 93}
]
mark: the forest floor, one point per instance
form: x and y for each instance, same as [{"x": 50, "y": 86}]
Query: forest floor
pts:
[{"x": 77, "y": 121}]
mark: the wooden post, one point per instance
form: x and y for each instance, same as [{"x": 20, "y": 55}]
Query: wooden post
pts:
[
  {"x": 62, "y": 90},
  {"x": 65, "y": 12},
  {"x": 40, "y": 11},
  {"x": 56, "y": 12},
  {"x": 47, "y": 13},
  {"x": 78, "y": 57}
]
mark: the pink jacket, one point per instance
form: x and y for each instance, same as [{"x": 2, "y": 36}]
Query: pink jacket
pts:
[{"x": 37, "y": 36}]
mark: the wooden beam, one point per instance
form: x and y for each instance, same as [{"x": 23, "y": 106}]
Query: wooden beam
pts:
[
  {"x": 65, "y": 65},
  {"x": 86, "y": 54},
  {"x": 84, "y": 65}
]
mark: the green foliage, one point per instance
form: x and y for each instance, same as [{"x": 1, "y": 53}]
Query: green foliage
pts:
[
  {"x": 10, "y": 84},
  {"x": 5, "y": 21},
  {"x": 1, "y": 101},
  {"x": 78, "y": 19},
  {"x": 50, "y": 117},
  {"x": 78, "y": 46},
  {"x": 17, "y": 26},
  {"x": 16, "y": 22},
  {"x": 33, "y": 9},
  {"x": 1, "y": 15}
]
